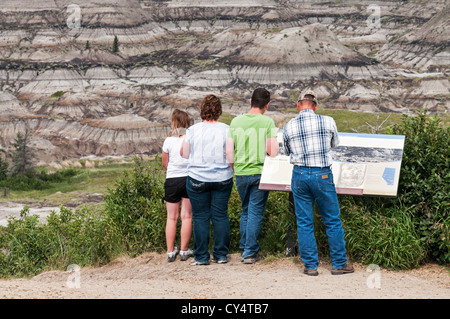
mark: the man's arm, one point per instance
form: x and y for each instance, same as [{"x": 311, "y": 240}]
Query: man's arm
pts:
[
  {"x": 287, "y": 149},
  {"x": 272, "y": 146},
  {"x": 335, "y": 135}
]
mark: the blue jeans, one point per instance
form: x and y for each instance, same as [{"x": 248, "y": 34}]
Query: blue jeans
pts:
[
  {"x": 209, "y": 202},
  {"x": 311, "y": 184},
  {"x": 253, "y": 204}
]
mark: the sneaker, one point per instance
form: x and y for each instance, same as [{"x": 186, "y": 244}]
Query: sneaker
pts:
[
  {"x": 172, "y": 255},
  {"x": 311, "y": 272},
  {"x": 185, "y": 254},
  {"x": 251, "y": 259},
  {"x": 198, "y": 263},
  {"x": 220, "y": 261},
  {"x": 347, "y": 269}
]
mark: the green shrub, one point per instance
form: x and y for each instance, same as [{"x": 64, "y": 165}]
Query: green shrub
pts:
[
  {"x": 80, "y": 237},
  {"x": 37, "y": 180},
  {"x": 57, "y": 94},
  {"x": 22, "y": 246},
  {"x": 3, "y": 169},
  {"x": 425, "y": 180},
  {"x": 425, "y": 174},
  {"x": 28, "y": 246},
  {"x": 135, "y": 207},
  {"x": 278, "y": 221},
  {"x": 387, "y": 238},
  {"x": 234, "y": 214}
]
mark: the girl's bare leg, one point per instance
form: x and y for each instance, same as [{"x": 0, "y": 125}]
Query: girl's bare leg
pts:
[
  {"x": 171, "y": 224},
  {"x": 186, "y": 223}
]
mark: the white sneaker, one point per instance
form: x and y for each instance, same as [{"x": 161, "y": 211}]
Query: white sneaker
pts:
[
  {"x": 185, "y": 254},
  {"x": 171, "y": 256}
]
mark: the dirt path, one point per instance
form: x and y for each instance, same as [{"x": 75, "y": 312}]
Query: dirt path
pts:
[{"x": 150, "y": 276}]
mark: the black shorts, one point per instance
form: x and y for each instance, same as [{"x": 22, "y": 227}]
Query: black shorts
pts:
[{"x": 175, "y": 189}]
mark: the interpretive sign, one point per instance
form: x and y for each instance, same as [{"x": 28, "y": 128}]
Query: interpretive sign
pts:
[{"x": 363, "y": 164}]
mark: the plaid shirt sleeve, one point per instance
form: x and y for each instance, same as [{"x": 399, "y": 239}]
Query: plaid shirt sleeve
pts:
[
  {"x": 335, "y": 134},
  {"x": 287, "y": 149}
]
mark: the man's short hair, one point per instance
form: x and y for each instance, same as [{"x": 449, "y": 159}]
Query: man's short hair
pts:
[
  {"x": 308, "y": 96},
  {"x": 260, "y": 98}
]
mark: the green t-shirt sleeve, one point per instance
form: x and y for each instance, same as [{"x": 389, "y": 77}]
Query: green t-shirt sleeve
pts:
[
  {"x": 231, "y": 129},
  {"x": 271, "y": 130},
  {"x": 230, "y": 132}
]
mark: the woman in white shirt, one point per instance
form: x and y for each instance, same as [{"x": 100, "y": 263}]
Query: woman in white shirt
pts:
[
  {"x": 209, "y": 182},
  {"x": 175, "y": 188}
]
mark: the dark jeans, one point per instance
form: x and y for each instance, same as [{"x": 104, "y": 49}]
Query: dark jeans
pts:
[
  {"x": 253, "y": 205},
  {"x": 209, "y": 202}
]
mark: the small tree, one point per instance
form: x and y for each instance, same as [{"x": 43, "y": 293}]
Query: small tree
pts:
[
  {"x": 87, "y": 46},
  {"x": 22, "y": 155},
  {"x": 3, "y": 168},
  {"x": 115, "y": 44}
]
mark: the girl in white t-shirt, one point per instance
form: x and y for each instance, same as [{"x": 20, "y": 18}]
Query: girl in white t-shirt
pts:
[{"x": 175, "y": 188}]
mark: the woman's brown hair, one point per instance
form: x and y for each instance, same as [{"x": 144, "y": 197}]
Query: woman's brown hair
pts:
[
  {"x": 180, "y": 122},
  {"x": 210, "y": 108}
]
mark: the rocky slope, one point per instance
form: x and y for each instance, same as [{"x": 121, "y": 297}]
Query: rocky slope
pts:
[{"x": 63, "y": 81}]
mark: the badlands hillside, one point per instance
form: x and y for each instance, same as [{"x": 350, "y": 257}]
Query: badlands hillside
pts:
[{"x": 62, "y": 80}]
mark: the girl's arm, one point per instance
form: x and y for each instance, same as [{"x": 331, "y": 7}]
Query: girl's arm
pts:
[{"x": 165, "y": 159}]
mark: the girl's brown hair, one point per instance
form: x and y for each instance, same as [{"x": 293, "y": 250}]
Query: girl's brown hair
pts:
[
  {"x": 210, "y": 108},
  {"x": 180, "y": 122}
]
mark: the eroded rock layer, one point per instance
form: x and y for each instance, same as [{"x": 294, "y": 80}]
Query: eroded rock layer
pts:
[{"x": 63, "y": 78}]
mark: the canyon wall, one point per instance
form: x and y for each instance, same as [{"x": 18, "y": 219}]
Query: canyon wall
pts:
[{"x": 62, "y": 80}]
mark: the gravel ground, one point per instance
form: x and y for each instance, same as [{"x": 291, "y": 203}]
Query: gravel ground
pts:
[{"x": 150, "y": 276}]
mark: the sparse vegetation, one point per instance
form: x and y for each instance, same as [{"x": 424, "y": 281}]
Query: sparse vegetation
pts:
[
  {"x": 115, "y": 47},
  {"x": 22, "y": 155},
  {"x": 57, "y": 94}
]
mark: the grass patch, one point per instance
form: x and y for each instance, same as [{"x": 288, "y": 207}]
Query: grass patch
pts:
[
  {"x": 349, "y": 121},
  {"x": 85, "y": 181},
  {"x": 57, "y": 94},
  {"x": 360, "y": 122},
  {"x": 226, "y": 118}
]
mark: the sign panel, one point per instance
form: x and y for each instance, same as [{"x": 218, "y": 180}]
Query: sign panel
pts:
[{"x": 363, "y": 164}]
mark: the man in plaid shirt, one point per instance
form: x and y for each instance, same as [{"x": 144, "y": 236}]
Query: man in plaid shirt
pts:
[{"x": 308, "y": 140}]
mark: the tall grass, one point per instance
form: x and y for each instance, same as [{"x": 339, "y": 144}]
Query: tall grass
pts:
[{"x": 387, "y": 237}]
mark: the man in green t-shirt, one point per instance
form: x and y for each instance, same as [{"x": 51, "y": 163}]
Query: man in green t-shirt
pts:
[{"x": 251, "y": 136}]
